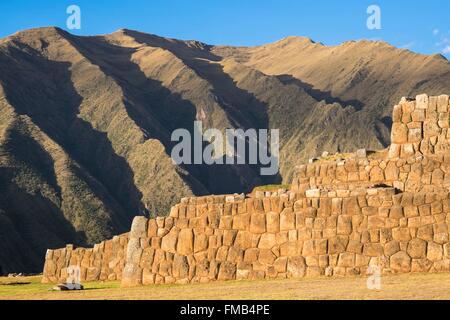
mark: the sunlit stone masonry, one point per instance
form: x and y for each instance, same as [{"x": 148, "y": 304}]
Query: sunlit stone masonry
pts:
[{"x": 389, "y": 209}]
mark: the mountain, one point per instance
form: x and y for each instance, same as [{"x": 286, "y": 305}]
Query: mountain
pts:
[{"x": 86, "y": 122}]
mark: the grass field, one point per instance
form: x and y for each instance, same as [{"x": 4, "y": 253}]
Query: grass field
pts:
[{"x": 407, "y": 286}]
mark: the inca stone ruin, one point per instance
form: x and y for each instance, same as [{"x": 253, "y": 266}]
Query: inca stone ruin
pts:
[{"x": 389, "y": 209}]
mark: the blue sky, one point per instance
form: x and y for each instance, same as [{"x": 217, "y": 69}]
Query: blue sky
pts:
[{"x": 421, "y": 26}]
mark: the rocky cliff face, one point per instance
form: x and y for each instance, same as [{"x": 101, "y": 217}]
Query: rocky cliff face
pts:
[{"x": 85, "y": 122}]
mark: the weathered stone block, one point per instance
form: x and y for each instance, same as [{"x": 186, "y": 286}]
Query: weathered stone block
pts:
[
  {"x": 229, "y": 237},
  {"x": 235, "y": 254},
  {"x": 434, "y": 251},
  {"x": 227, "y": 271},
  {"x": 421, "y": 265},
  {"x": 251, "y": 255},
  {"x": 417, "y": 249},
  {"x": 391, "y": 248},
  {"x": 399, "y": 133},
  {"x": 313, "y": 193},
  {"x": 422, "y": 101},
  {"x": 139, "y": 228},
  {"x": 308, "y": 248},
  {"x": 267, "y": 241},
  {"x": 373, "y": 249},
  {"x": 273, "y": 222},
  {"x": 425, "y": 233},
  {"x": 296, "y": 267},
  {"x": 346, "y": 260},
  {"x": 337, "y": 244},
  {"x": 266, "y": 256},
  {"x": 201, "y": 243},
  {"x": 287, "y": 220},
  {"x": 185, "y": 243},
  {"x": 241, "y": 221},
  {"x": 290, "y": 248},
  {"x": 400, "y": 262},
  {"x": 344, "y": 225},
  {"x": 169, "y": 242},
  {"x": 442, "y": 103},
  {"x": 350, "y": 206},
  {"x": 280, "y": 264},
  {"x": 401, "y": 234},
  {"x": 258, "y": 223}
]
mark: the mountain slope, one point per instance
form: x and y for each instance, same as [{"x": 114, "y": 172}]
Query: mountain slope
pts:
[{"x": 86, "y": 122}]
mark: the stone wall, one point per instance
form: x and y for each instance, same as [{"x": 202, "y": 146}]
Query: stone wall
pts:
[
  {"x": 421, "y": 173},
  {"x": 323, "y": 233},
  {"x": 418, "y": 159},
  {"x": 105, "y": 261},
  {"x": 390, "y": 209},
  {"x": 420, "y": 126}
]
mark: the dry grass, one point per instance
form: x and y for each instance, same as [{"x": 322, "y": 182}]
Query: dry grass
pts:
[
  {"x": 272, "y": 187},
  {"x": 408, "y": 286}
]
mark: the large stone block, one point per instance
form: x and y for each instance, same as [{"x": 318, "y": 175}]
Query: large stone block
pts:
[
  {"x": 235, "y": 254},
  {"x": 430, "y": 129},
  {"x": 397, "y": 113},
  {"x": 132, "y": 275},
  {"x": 266, "y": 256},
  {"x": 251, "y": 255},
  {"x": 373, "y": 250},
  {"x": 337, "y": 244},
  {"x": 346, "y": 260},
  {"x": 355, "y": 246},
  {"x": 229, "y": 237},
  {"x": 308, "y": 248},
  {"x": 222, "y": 253},
  {"x": 280, "y": 264},
  {"x": 422, "y": 101},
  {"x": 152, "y": 228},
  {"x": 400, "y": 262},
  {"x": 267, "y": 241},
  {"x": 442, "y": 103},
  {"x": 376, "y": 174},
  {"x": 401, "y": 234},
  {"x": 417, "y": 249},
  {"x": 434, "y": 251},
  {"x": 391, "y": 171},
  {"x": 290, "y": 248},
  {"x": 200, "y": 243},
  {"x": 399, "y": 133},
  {"x": 180, "y": 269},
  {"x": 391, "y": 248},
  {"x": 287, "y": 220},
  {"x": 296, "y": 267},
  {"x": 258, "y": 223},
  {"x": 344, "y": 225},
  {"x": 139, "y": 227},
  {"x": 227, "y": 271},
  {"x": 350, "y": 206},
  {"x": 421, "y": 265},
  {"x": 185, "y": 243},
  {"x": 375, "y": 222},
  {"x": 425, "y": 233},
  {"x": 243, "y": 239},
  {"x": 134, "y": 251},
  {"x": 273, "y": 222},
  {"x": 169, "y": 241},
  {"x": 241, "y": 221},
  {"x": 414, "y": 135}
]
